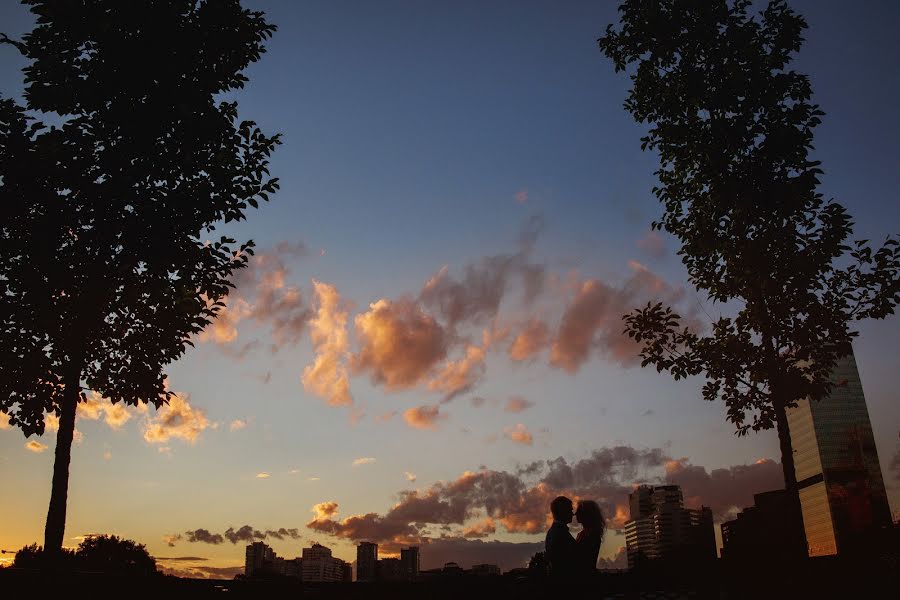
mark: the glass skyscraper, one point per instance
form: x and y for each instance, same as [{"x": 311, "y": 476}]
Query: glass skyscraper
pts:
[{"x": 842, "y": 494}]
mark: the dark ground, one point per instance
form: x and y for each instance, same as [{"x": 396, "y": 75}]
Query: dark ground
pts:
[{"x": 819, "y": 578}]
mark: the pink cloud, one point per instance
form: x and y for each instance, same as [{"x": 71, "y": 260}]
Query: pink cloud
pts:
[
  {"x": 652, "y": 244},
  {"x": 400, "y": 344},
  {"x": 423, "y": 417},
  {"x": 517, "y": 404},
  {"x": 519, "y": 434},
  {"x": 327, "y": 377}
]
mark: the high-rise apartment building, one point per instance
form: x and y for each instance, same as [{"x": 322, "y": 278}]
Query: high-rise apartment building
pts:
[
  {"x": 842, "y": 494},
  {"x": 257, "y": 556},
  {"x": 409, "y": 558},
  {"x": 366, "y": 561},
  {"x": 319, "y": 565},
  {"x": 662, "y": 529}
]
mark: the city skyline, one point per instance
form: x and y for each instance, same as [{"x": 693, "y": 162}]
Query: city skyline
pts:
[{"x": 487, "y": 202}]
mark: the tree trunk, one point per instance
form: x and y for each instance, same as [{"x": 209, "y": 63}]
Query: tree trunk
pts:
[
  {"x": 56, "y": 515},
  {"x": 787, "y": 451}
]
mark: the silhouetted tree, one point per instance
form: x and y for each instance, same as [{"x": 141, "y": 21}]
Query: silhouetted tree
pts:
[
  {"x": 111, "y": 554},
  {"x": 106, "y": 271},
  {"x": 733, "y": 127},
  {"x": 32, "y": 557}
]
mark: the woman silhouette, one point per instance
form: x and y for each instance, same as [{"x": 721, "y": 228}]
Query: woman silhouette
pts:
[{"x": 591, "y": 536}]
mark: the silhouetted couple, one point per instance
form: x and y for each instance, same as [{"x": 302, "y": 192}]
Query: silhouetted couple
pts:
[{"x": 572, "y": 558}]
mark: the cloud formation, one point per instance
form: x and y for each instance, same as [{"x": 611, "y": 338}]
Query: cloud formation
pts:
[
  {"x": 237, "y": 425},
  {"x": 460, "y": 376},
  {"x": 423, "y": 417},
  {"x": 203, "y": 535},
  {"x": 519, "y": 434},
  {"x": 532, "y": 339},
  {"x": 365, "y": 460},
  {"x": 245, "y": 533},
  {"x": 593, "y": 322},
  {"x": 96, "y": 406},
  {"x": 177, "y": 419},
  {"x": 517, "y": 502},
  {"x": 35, "y": 446},
  {"x": 517, "y": 404},
  {"x": 475, "y": 297},
  {"x": 262, "y": 294},
  {"x": 400, "y": 343},
  {"x": 327, "y": 377},
  {"x": 223, "y": 329},
  {"x": 481, "y": 529}
]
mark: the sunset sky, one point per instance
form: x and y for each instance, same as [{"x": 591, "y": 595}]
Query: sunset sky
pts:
[{"x": 426, "y": 347}]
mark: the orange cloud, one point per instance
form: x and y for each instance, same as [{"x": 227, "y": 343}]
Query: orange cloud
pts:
[
  {"x": 327, "y": 376},
  {"x": 325, "y": 510},
  {"x": 423, "y": 417},
  {"x": 366, "y": 460},
  {"x": 223, "y": 329},
  {"x": 480, "y": 529},
  {"x": 411, "y": 477},
  {"x": 517, "y": 404},
  {"x": 262, "y": 294},
  {"x": 533, "y": 338},
  {"x": 400, "y": 343},
  {"x": 177, "y": 419},
  {"x": 519, "y": 434},
  {"x": 458, "y": 377},
  {"x": 262, "y": 475},
  {"x": 95, "y": 406},
  {"x": 35, "y": 446},
  {"x": 4, "y": 421},
  {"x": 237, "y": 425},
  {"x": 593, "y": 320}
]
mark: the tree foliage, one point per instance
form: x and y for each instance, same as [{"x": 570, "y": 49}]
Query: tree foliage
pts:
[
  {"x": 106, "y": 270},
  {"x": 98, "y": 553},
  {"x": 111, "y": 554},
  {"x": 733, "y": 127}
]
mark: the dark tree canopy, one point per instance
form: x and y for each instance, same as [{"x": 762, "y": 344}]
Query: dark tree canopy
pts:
[
  {"x": 97, "y": 553},
  {"x": 111, "y": 554},
  {"x": 105, "y": 268},
  {"x": 733, "y": 126}
]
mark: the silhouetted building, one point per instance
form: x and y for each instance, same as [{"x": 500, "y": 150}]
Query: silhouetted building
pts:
[
  {"x": 842, "y": 495},
  {"x": 409, "y": 558},
  {"x": 366, "y": 561},
  {"x": 663, "y": 530},
  {"x": 390, "y": 569},
  {"x": 485, "y": 570},
  {"x": 452, "y": 568},
  {"x": 319, "y": 565},
  {"x": 770, "y": 530},
  {"x": 256, "y": 556}
]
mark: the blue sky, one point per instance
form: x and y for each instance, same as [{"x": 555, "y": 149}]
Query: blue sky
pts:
[{"x": 423, "y": 135}]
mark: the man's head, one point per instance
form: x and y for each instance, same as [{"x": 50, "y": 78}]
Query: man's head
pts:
[{"x": 561, "y": 508}]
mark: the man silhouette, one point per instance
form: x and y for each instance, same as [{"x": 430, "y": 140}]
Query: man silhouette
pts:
[{"x": 560, "y": 545}]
